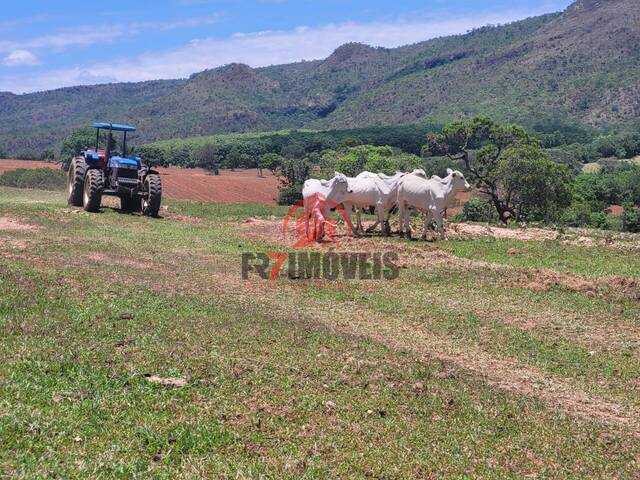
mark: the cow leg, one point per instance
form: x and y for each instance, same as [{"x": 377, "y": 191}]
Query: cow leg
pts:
[
  {"x": 315, "y": 229},
  {"x": 379, "y": 219},
  {"x": 348, "y": 210},
  {"x": 308, "y": 216},
  {"x": 427, "y": 223},
  {"x": 387, "y": 228},
  {"x": 407, "y": 223},
  {"x": 440, "y": 223},
  {"x": 401, "y": 209},
  {"x": 360, "y": 227},
  {"x": 323, "y": 213},
  {"x": 386, "y": 224}
]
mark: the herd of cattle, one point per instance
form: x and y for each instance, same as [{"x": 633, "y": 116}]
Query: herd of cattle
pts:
[{"x": 404, "y": 191}]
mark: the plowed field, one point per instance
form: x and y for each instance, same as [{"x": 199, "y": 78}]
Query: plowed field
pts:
[{"x": 242, "y": 186}]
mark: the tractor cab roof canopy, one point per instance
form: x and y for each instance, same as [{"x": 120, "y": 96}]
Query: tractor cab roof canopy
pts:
[{"x": 114, "y": 126}]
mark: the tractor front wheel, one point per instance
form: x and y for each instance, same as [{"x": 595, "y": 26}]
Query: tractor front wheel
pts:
[
  {"x": 151, "y": 202},
  {"x": 75, "y": 181},
  {"x": 93, "y": 186}
]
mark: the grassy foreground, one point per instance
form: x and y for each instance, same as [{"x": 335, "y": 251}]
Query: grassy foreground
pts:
[{"x": 474, "y": 363}]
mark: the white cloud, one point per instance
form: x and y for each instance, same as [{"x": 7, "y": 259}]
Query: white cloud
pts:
[
  {"x": 20, "y": 57},
  {"x": 262, "y": 48},
  {"x": 86, "y": 35},
  {"x": 22, "y": 22}
]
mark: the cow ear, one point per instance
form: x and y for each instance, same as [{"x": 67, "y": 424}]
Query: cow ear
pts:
[{"x": 449, "y": 171}]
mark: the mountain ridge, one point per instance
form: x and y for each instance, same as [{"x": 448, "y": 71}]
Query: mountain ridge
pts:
[{"x": 576, "y": 66}]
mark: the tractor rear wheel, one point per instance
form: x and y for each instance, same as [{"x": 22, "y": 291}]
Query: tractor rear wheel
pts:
[
  {"x": 130, "y": 204},
  {"x": 75, "y": 181},
  {"x": 151, "y": 203},
  {"x": 93, "y": 186}
]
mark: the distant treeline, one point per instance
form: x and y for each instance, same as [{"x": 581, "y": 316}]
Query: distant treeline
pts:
[{"x": 245, "y": 149}]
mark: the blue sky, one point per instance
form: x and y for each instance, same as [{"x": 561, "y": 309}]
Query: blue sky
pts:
[{"x": 46, "y": 44}]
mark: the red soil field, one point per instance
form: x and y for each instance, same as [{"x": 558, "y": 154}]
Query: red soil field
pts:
[
  {"x": 242, "y": 186},
  {"x": 15, "y": 164}
]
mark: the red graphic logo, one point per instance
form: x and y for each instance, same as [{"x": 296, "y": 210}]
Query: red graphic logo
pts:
[{"x": 313, "y": 224}]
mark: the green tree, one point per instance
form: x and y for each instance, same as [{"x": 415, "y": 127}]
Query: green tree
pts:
[
  {"x": 46, "y": 155},
  {"x": 354, "y": 160},
  {"x": 293, "y": 150},
  {"x": 208, "y": 157},
  {"x": 292, "y": 175},
  {"x": 478, "y": 210},
  {"x": 631, "y": 219},
  {"x": 271, "y": 161},
  {"x": 507, "y": 164},
  {"x": 233, "y": 158},
  {"x": 533, "y": 185},
  {"x": 152, "y": 154},
  {"x": 77, "y": 141}
]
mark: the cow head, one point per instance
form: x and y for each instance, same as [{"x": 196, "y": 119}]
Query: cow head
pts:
[
  {"x": 458, "y": 182},
  {"x": 340, "y": 187}
]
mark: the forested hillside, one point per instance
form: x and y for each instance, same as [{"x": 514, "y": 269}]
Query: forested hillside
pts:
[{"x": 575, "y": 67}]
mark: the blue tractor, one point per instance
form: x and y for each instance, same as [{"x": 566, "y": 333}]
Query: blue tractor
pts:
[{"x": 97, "y": 172}]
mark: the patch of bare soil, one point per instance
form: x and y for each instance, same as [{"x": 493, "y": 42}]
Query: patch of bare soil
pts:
[
  {"x": 167, "y": 381},
  {"x": 166, "y": 213},
  {"x": 465, "y": 230},
  {"x": 109, "y": 259},
  {"x": 269, "y": 230},
  {"x": 12, "y": 244},
  {"x": 13, "y": 225}
]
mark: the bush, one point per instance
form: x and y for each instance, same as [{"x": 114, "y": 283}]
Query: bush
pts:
[
  {"x": 292, "y": 175},
  {"x": 39, "y": 178},
  {"x": 75, "y": 142},
  {"x": 577, "y": 215},
  {"x": 289, "y": 194},
  {"x": 477, "y": 210},
  {"x": 354, "y": 160},
  {"x": 599, "y": 220},
  {"x": 438, "y": 165},
  {"x": 631, "y": 219}
]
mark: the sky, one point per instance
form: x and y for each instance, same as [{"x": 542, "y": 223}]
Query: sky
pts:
[{"x": 51, "y": 44}]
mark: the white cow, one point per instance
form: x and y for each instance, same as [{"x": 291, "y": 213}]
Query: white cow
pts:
[
  {"x": 374, "y": 190},
  {"x": 431, "y": 196},
  {"x": 319, "y": 197}
]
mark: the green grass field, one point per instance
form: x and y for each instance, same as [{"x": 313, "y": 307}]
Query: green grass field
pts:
[{"x": 485, "y": 358}]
